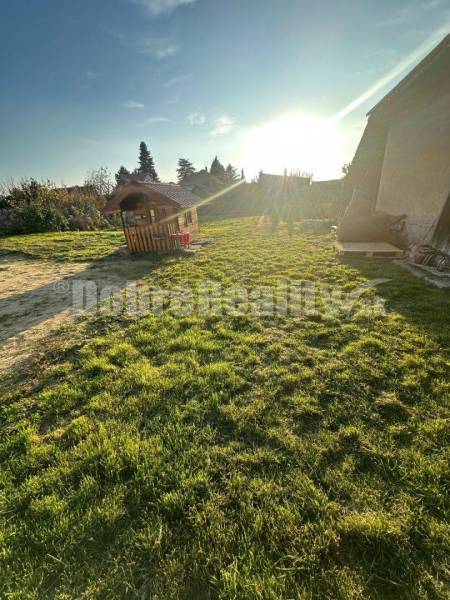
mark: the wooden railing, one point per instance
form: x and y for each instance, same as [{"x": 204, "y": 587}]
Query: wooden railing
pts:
[{"x": 151, "y": 238}]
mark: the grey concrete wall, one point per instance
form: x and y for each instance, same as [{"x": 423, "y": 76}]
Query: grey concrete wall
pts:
[{"x": 415, "y": 176}]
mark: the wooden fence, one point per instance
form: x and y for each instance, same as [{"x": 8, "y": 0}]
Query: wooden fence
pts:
[{"x": 151, "y": 238}]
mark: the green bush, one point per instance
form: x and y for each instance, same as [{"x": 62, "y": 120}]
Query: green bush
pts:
[
  {"x": 41, "y": 207},
  {"x": 39, "y": 216}
]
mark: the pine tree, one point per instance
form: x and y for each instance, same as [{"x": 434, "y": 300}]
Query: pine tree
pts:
[
  {"x": 242, "y": 174},
  {"x": 185, "y": 168},
  {"x": 231, "y": 174},
  {"x": 217, "y": 169},
  {"x": 146, "y": 163},
  {"x": 122, "y": 175}
]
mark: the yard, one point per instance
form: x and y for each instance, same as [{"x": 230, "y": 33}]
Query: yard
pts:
[{"x": 233, "y": 455}]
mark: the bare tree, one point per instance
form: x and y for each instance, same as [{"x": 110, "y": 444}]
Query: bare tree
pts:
[{"x": 100, "y": 182}]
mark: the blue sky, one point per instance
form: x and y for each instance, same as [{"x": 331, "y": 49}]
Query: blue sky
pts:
[{"x": 84, "y": 82}]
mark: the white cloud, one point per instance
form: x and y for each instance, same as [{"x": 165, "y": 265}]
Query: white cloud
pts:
[
  {"x": 177, "y": 80},
  {"x": 158, "y": 47},
  {"x": 402, "y": 15},
  {"x": 133, "y": 104},
  {"x": 91, "y": 74},
  {"x": 196, "y": 118},
  {"x": 222, "y": 125},
  {"x": 159, "y": 7},
  {"x": 153, "y": 120}
]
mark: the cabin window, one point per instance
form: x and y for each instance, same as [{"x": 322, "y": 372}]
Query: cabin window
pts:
[
  {"x": 188, "y": 218},
  {"x": 152, "y": 215},
  {"x": 131, "y": 219}
]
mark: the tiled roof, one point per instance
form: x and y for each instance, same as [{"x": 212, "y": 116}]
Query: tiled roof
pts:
[
  {"x": 170, "y": 191},
  {"x": 182, "y": 197}
]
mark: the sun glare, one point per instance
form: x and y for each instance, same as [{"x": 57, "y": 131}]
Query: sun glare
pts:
[{"x": 294, "y": 142}]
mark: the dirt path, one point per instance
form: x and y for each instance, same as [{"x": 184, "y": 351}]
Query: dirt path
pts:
[
  {"x": 36, "y": 298},
  {"x": 30, "y": 306}
]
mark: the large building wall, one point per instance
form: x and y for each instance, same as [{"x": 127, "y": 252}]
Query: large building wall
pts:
[{"x": 415, "y": 177}]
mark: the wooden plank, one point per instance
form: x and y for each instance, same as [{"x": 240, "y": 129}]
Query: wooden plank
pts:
[
  {"x": 134, "y": 236},
  {"x": 148, "y": 238},
  {"x": 156, "y": 238},
  {"x": 164, "y": 236},
  {"x": 171, "y": 228},
  {"x": 125, "y": 232},
  {"x": 142, "y": 245},
  {"x": 137, "y": 240},
  {"x": 131, "y": 240},
  {"x": 368, "y": 249},
  {"x": 152, "y": 237}
]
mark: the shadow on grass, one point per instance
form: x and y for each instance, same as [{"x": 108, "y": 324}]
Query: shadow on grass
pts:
[
  {"x": 421, "y": 304},
  {"x": 21, "y": 311}
]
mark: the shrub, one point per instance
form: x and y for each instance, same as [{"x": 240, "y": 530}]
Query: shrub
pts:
[
  {"x": 34, "y": 207},
  {"x": 39, "y": 216}
]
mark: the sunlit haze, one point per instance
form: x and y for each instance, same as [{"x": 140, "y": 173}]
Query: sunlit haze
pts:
[{"x": 291, "y": 141}]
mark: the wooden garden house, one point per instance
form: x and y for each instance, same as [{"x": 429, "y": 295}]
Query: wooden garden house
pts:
[{"x": 154, "y": 215}]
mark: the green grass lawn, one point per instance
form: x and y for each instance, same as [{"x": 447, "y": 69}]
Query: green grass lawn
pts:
[
  {"x": 234, "y": 456},
  {"x": 76, "y": 246}
]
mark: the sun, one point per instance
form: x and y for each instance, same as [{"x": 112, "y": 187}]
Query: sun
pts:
[{"x": 294, "y": 142}]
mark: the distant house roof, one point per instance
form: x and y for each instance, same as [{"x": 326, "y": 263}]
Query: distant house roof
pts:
[
  {"x": 288, "y": 185},
  {"x": 328, "y": 184},
  {"x": 438, "y": 53},
  {"x": 170, "y": 192},
  {"x": 72, "y": 189},
  {"x": 203, "y": 182}
]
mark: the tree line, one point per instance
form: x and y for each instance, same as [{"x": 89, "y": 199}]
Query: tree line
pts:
[
  {"x": 146, "y": 166},
  {"x": 31, "y": 206}
]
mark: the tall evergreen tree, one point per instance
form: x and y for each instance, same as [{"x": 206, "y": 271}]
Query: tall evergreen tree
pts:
[
  {"x": 231, "y": 174},
  {"x": 242, "y": 174},
  {"x": 121, "y": 175},
  {"x": 185, "y": 168},
  {"x": 217, "y": 169},
  {"x": 146, "y": 163}
]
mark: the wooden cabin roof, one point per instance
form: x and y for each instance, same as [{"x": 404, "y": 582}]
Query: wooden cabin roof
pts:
[{"x": 168, "y": 192}]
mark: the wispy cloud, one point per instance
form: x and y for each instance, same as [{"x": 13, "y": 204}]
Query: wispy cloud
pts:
[
  {"x": 222, "y": 125},
  {"x": 91, "y": 74},
  {"x": 158, "y": 47},
  {"x": 133, "y": 104},
  {"x": 153, "y": 120},
  {"x": 196, "y": 118},
  {"x": 150, "y": 46},
  {"x": 179, "y": 79},
  {"x": 409, "y": 12},
  {"x": 155, "y": 8},
  {"x": 430, "y": 4},
  {"x": 91, "y": 142}
]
